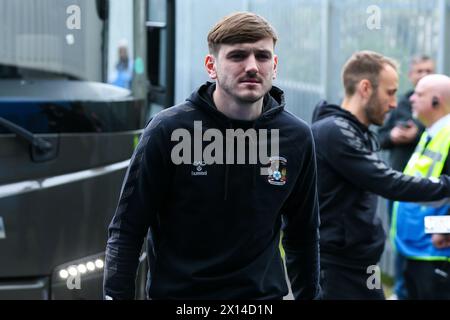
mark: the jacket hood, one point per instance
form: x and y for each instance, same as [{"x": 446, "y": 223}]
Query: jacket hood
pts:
[
  {"x": 273, "y": 103},
  {"x": 324, "y": 110}
]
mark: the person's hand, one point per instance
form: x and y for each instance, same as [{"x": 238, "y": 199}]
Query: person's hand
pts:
[
  {"x": 441, "y": 241},
  {"x": 404, "y": 134}
]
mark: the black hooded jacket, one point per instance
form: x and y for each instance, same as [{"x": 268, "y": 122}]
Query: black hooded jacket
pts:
[
  {"x": 215, "y": 228},
  {"x": 350, "y": 176}
]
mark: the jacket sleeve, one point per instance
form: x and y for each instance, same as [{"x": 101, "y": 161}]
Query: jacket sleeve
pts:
[
  {"x": 347, "y": 153},
  {"x": 301, "y": 229},
  {"x": 141, "y": 198},
  {"x": 444, "y": 202}
]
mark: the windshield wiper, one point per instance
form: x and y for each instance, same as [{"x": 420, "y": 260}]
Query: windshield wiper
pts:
[{"x": 42, "y": 145}]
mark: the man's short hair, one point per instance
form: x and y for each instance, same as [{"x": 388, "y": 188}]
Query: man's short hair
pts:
[
  {"x": 418, "y": 59},
  {"x": 240, "y": 27},
  {"x": 364, "y": 65}
]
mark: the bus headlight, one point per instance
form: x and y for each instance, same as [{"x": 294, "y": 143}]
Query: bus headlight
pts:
[{"x": 84, "y": 266}]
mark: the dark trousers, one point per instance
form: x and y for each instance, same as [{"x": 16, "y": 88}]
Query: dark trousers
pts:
[
  {"x": 427, "y": 279},
  {"x": 347, "y": 283}
]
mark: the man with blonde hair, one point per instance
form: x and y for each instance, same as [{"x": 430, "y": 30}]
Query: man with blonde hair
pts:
[{"x": 351, "y": 175}]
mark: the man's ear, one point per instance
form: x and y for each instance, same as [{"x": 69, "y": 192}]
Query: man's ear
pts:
[
  {"x": 365, "y": 88},
  {"x": 275, "y": 65},
  {"x": 210, "y": 65}
]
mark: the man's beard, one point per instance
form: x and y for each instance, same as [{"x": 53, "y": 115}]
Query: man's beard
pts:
[{"x": 371, "y": 109}]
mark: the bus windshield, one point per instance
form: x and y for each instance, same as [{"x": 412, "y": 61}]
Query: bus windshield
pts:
[{"x": 88, "y": 40}]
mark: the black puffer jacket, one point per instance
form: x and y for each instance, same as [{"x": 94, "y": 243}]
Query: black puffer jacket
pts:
[{"x": 350, "y": 176}]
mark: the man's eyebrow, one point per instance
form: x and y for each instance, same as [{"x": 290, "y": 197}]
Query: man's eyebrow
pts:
[
  {"x": 264, "y": 51},
  {"x": 238, "y": 51},
  {"x": 247, "y": 51}
]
